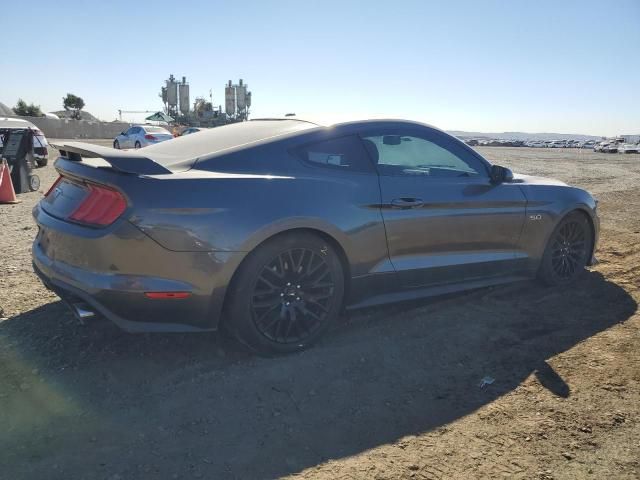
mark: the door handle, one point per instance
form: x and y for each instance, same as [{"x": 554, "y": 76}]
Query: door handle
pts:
[{"x": 407, "y": 202}]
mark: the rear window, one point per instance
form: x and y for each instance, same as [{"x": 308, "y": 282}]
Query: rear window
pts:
[
  {"x": 156, "y": 130},
  {"x": 343, "y": 153},
  {"x": 40, "y": 141}
]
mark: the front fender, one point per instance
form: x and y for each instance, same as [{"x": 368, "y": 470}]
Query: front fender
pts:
[{"x": 547, "y": 205}]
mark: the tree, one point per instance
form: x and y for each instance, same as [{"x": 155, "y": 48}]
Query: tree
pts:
[
  {"x": 73, "y": 104},
  {"x": 25, "y": 110}
]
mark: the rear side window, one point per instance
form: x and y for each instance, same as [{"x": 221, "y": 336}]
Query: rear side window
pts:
[
  {"x": 156, "y": 130},
  {"x": 343, "y": 153}
]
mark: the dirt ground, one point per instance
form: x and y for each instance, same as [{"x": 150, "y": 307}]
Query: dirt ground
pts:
[{"x": 390, "y": 393}]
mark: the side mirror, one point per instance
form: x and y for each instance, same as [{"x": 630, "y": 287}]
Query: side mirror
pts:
[{"x": 500, "y": 174}]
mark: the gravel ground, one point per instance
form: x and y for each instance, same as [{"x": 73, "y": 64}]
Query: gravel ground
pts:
[{"x": 389, "y": 393}]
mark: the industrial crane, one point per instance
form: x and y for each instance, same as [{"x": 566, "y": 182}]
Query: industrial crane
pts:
[{"x": 120, "y": 112}]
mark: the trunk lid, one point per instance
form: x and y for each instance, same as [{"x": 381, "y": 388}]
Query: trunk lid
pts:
[{"x": 93, "y": 182}]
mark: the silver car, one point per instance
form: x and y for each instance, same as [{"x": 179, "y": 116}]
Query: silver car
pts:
[{"x": 139, "y": 136}]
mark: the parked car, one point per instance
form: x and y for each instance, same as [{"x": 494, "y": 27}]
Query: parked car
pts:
[
  {"x": 139, "y": 136},
  {"x": 600, "y": 146},
  {"x": 628, "y": 148},
  {"x": 40, "y": 144},
  {"x": 189, "y": 131},
  {"x": 558, "y": 144},
  {"x": 269, "y": 228},
  {"x": 588, "y": 144},
  {"x": 610, "y": 148}
]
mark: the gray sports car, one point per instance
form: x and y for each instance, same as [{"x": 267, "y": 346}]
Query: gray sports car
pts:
[{"x": 270, "y": 228}]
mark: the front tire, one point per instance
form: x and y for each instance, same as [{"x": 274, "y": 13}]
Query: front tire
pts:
[
  {"x": 286, "y": 294},
  {"x": 567, "y": 251}
]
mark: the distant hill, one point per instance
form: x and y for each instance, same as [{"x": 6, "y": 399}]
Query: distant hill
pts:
[
  {"x": 4, "y": 110},
  {"x": 83, "y": 115},
  {"x": 524, "y": 136}
]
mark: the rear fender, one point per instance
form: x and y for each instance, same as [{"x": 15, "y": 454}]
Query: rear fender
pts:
[{"x": 296, "y": 223}]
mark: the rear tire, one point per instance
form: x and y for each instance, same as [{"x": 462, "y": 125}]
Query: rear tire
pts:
[
  {"x": 286, "y": 294},
  {"x": 567, "y": 251},
  {"x": 116, "y": 145},
  {"x": 137, "y": 145}
]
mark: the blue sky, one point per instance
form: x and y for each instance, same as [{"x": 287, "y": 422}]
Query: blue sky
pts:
[{"x": 536, "y": 66}]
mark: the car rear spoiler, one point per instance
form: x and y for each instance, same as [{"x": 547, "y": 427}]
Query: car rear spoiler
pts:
[{"x": 122, "y": 160}]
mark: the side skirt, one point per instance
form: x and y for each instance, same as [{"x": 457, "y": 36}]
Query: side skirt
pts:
[{"x": 416, "y": 293}]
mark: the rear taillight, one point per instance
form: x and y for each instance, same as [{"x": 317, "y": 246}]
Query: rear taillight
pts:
[
  {"x": 53, "y": 187},
  {"x": 148, "y": 136},
  {"x": 102, "y": 206}
]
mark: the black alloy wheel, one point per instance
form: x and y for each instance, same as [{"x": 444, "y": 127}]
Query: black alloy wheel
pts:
[
  {"x": 292, "y": 296},
  {"x": 567, "y": 251},
  {"x": 286, "y": 293}
]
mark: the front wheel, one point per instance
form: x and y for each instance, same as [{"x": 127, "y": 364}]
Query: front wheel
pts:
[
  {"x": 286, "y": 294},
  {"x": 566, "y": 255}
]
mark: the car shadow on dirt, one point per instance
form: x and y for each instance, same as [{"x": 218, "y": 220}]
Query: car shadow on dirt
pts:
[{"x": 95, "y": 402}]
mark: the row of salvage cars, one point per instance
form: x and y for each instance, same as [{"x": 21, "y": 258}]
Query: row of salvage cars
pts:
[
  {"x": 616, "y": 147},
  {"x": 560, "y": 144}
]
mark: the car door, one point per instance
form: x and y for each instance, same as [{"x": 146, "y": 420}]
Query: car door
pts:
[
  {"x": 126, "y": 138},
  {"x": 444, "y": 218},
  {"x": 137, "y": 136}
]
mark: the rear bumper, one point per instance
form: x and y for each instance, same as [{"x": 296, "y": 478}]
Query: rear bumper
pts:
[
  {"x": 71, "y": 295},
  {"x": 111, "y": 270},
  {"x": 102, "y": 299}
]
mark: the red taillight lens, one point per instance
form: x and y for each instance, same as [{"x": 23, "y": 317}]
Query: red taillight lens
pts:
[
  {"x": 102, "y": 206},
  {"x": 52, "y": 187},
  {"x": 148, "y": 136}
]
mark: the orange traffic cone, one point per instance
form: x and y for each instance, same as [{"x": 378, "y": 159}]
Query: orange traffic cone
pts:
[{"x": 7, "y": 193}]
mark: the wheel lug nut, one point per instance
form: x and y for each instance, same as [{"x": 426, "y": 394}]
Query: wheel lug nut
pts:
[
  {"x": 297, "y": 298},
  {"x": 288, "y": 303},
  {"x": 282, "y": 294}
]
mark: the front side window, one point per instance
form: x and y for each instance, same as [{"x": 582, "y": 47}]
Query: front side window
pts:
[
  {"x": 344, "y": 153},
  {"x": 397, "y": 154}
]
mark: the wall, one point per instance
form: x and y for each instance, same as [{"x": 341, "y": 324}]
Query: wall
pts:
[{"x": 67, "y": 128}]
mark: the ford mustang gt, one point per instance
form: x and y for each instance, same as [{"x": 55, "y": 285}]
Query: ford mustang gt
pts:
[{"x": 269, "y": 228}]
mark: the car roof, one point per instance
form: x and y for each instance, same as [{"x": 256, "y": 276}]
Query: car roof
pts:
[
  {"x": 6, "y": 122},
  {"x": 184, "y": 151},
  {"x": 211, "y": 142}
]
